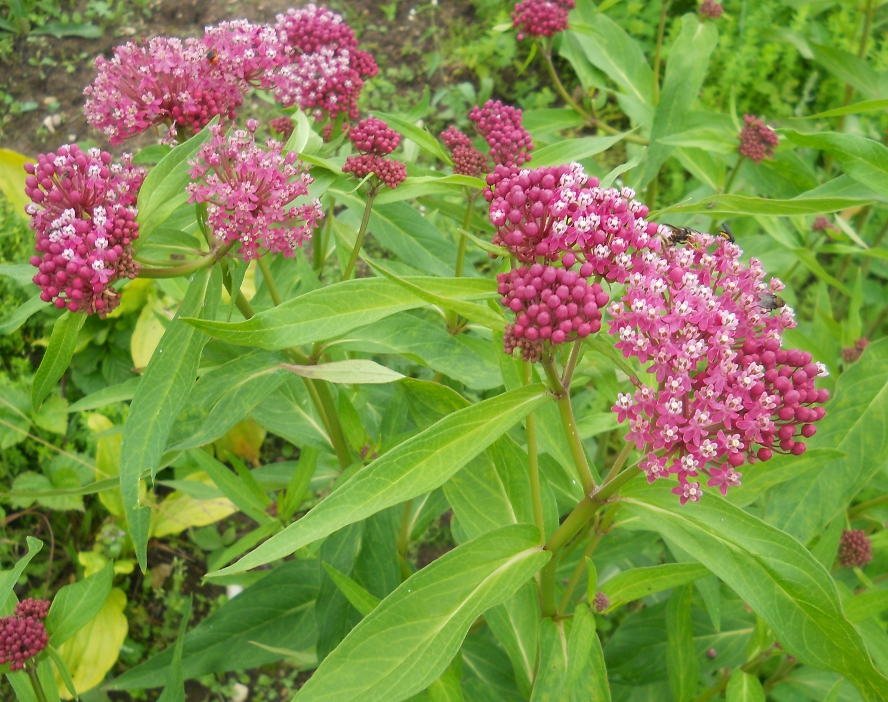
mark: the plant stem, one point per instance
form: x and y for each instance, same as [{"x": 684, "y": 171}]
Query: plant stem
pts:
[
  {"x": 533, "y": 464},
  {"x": 404, "y": 534},
  {"x": 562, "y": 397},
  {"x": 186, "y": 268},
  {"x": 869, "y": 11},
  {"x": 359, "y": 241},
  {"x": 567, "y": 375},
  {"x": 269, "y": 281},
  {"x": 863, "y": 506},
  {"x": 600, "y": 531},
  {"x": 451, "y": 317},
  {"x": 619, "y": 461},
  {"x": 35, "y": 683},
  {"x": 592, "y": 121},
  {"x": 320, "y": 238},
  {"x": 664, "y": 6},
  {"x": 732, "y": 175}
]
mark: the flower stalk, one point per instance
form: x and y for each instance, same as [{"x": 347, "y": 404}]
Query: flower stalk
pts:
[{"x": 359, "y": 240}]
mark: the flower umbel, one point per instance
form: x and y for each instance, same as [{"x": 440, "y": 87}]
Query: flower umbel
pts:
[
  {"x": 709, "y": 9},
  {"x": 251, "y": 191},
  {"x": 84, "y": 216},
  {"x": 541, "y": 18},
  {"x": 500, "y": 125},
  {"x": 22, "y": 635},
  {"x": 467, "y": 160},
  {"x": 375, "y": 140},
  {"x": 166, "y": 81},
  {"x": 855, "y": 549},
  {"x": 251, "y": 53},
  {"x": 726, "y": 392},
  {"x": 757, "y": 140}
]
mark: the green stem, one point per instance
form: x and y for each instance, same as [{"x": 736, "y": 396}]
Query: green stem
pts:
[
  {"x": 404, "y": 534},
  {"x": 269, "y": 281},
  {"x": 452, "y": 318},
  {"x": 612, "y": 486},
  {"x": 733, "y": 174},
  {"x": 186, "y": 268},
  {"x": 340, "y": 445},
  {"x": 570, "y": 527},
  {"x": 864, "y": 506},
  {"x": 664, "y": 6},
  {"x": 562, "y": 397},
  {"x": 359, "y": 241},
  {"x": 567, "y": 375},
  {"x": 35, "y": 683},
  {"x": 533, "y": 462},
  {"x": 320, "y": 238},
  {"x": 869, "y": 11},
  {"x": 619, "y": 461},
  {"x": 548, "y": 603},
  {"x": 600, "y": 531}
]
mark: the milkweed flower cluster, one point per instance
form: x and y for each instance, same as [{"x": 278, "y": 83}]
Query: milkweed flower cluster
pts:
[
  {"x": 500, "y": 125},
  {"x": 541, "y": 18},
  {"x": 250, "y": 53},
  {"x": 251, "y": 192},
  {"x": 166, "y": 81},
  {"x": 855, "y": 549},
  {"x": 726, "y": 392},
  {"x": 83, "y": 213},
  {"x": 283, "y": 126},
  {"x": 757, "y": 140},
  {"x": 327, "y": 71},
  {"x": 375, "y": 140},
  {"x": 22, "y": 634},
  {"x": 710, "y": 9},
  {"x": 467, "y": 160}
]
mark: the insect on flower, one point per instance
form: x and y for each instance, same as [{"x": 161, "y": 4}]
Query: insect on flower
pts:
[
  {"x": 679, "y": 235},
  {"x": 726, "y": 233},
  {"x": 769, "y": 301},
  {"x": 212, "y": 57}
]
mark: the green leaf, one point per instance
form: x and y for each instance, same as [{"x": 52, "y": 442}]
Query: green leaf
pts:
[
  {"x": 733, "y": 205},
  {"x": 855, "y": 109},
  {"x": 481, "y": 314},
  {"x": 347, "y": 372},
  {"x": 8, "y": 578},
  {"x": 549, "y": 685},
  {"x": 850, "y": 69},
  {"x": 420, "y": 135},
  {"x": 121, "y": 392},
  {"x": 616, "y": 172},
  {"x": 276, "y": 612},
  {"x": 57, "y": 357},
  {"x": 611, "y": 50},
  {"x": 685, "y": 71},
  {"x": 636, "y": 583},
  {"x": 164, "y": 188},
  {"x": 864, "y": 160},
  {"x": 60, "y": 30},
  {"x": 865, "y": 605},
  {"x": 337, "y": 309},
  {"x": 174, "y": 691},
  {"x": 710, "y": 139},
  {"x": 359, "y": 598},
  {"x": 516, "y": 625},
  {"x": 585, "y": 659},
  {"x": 568, "y": 150},
  {"x": 414, "y": 467},
  {"x": 420, "y": 186},
  {"x": 75, "y": 605},
  {"x": 854, "y": 424},
  {"x": 771, "y": 571},
  {"x": 681, "y": 657},
  {"x": 12, "y": 180},
  {"x": 231, "y": 486},
  {"x": 22, "y": 314},
  {"x": 161, "y": 394},
  {"x": 410, "y": 638},
  {"x": 760, "y": 478},
  {"x": 743, "y": 687},
  {"x": 299, "y": 484},
  {"x": 62, "y": 667}
]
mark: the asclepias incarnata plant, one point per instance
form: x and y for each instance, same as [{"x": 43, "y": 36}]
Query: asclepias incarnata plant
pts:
[{"x": 594, "y": 394}]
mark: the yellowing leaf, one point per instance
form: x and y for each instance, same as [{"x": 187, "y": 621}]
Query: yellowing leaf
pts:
[
  {"x": 146, "y": 336},
  {"x": 93, "y": 562},
  {"x": 107, "y": 461},
  {"x": 180, "y": 511},
  {"x": 243, "y": 439},
  {"x": 12, "y": 179},
  {"x": 93, "y": 650}
]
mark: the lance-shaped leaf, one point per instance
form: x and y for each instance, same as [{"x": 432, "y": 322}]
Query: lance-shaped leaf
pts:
[
  {"x": 637, "y": 583},
  {"x": 573, "y": 150},
  {"x": 410, "y": 638},
  {"x": 22, "y": 314},
  {"x": 732, "y": 205},
  {"x": 681, "y": 657},
  {"x": 417, "y": 466},
  {"x": 332, "y": 311},
  {"x": 8, "y": 578},
  {"x": 57, "y": 357},
  {"x": 355, "y": 371},
  {"x": 75, "y": 605},
  {"x": 161, "y": 394},
  {"x": 743, "y": 687},
  {"x": 771, "y": 571}
]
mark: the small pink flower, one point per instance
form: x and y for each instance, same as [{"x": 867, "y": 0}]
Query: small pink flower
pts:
[
  {"x": 855, "y": 549},
  {"x": 541, "y": 18},
  {"x": 375, "y": 139},
  {"x": 757, "y": 140},
  {"x": 22, "y": 636},
  {"x": 709, "y": 9},
  {"x": 467, "y": 160},
  {"x": 250, "y": 53},
  {"x": 84, "y": 216},
  {"x": 251, "y": 192},
  {"x": 500, "y": 125}
]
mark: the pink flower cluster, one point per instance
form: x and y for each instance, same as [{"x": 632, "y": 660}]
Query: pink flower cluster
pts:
[
  {"x": 855, "y": 549},
  {"x": 545, "y": 212},
  {"x": 726, "y": 392},
  {"x": 166, "y": 81},
  {"x": 83, "y": 213},
  {"x": 327, "y": 71},
  {"x": 22, "y": 635},
  {"x": 549, "y": 303},
  {"x": 541, "y": 18},
  {"x": 500, "y": 125},
  {"x": 250, "y": 53},
  {"x": 757, "y": 140},
  {"x": 375, "y": 140},
  {"x": 467, "y": 160},
  {"x": 283, "y": 126},
  {"x": 250, "y": 192},
  {"x": 709, "y": 9}
]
